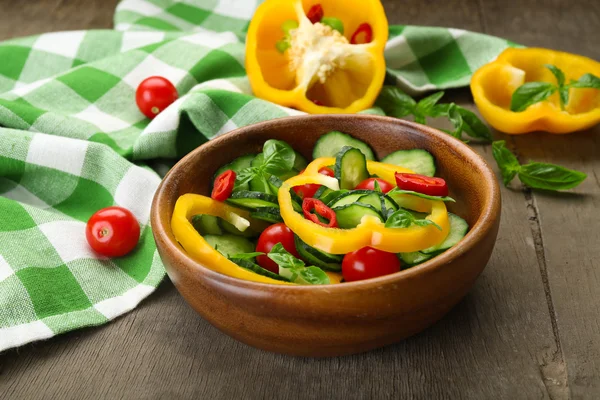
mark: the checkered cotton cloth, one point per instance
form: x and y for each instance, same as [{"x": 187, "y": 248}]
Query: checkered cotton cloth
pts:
[{"x": 72, "y": 141}]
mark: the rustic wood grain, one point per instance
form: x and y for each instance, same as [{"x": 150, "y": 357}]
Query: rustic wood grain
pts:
[{"x": 528, "y": 329}]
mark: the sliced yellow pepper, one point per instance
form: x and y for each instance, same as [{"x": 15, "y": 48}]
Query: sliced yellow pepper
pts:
[
  {"x": 194, "y": 244},
  {"x": 371, "y": 231},
  {"x": 319, "y": 71},
  {"x": 494, "y": 83}
]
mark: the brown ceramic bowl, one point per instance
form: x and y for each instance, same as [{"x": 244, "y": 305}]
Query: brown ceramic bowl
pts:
[{"x": 347, "y": 318}]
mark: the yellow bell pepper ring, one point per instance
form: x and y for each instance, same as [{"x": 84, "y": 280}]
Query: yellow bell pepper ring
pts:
[
  {"x": 314, "y": 67},
  {"x": 371, "y": 231},
  {"x": 494, "y": 83},
  {"x": 196, "y": 247}
]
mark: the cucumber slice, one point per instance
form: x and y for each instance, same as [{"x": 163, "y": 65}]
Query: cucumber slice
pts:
[
  {"x": 376, "y": 200},
  {"x": 350, "y": 167},
  {"x": 318, "y": 258},
  {"x": 252, "y": 200},
  {"x": 229, "y": 228},
  {"x": 274, "y": 184},
  {"x": 269, "y": 214},
  {"x": 322, "y": 191},
  {"x": 237, "y": 165},
  {"x": 414, "y": 258},
  {"x": 331, "y": 143},
  {"x": 249, "y": 265},
  {"x": 230, "y": 244},
  {"x": 299, "y": 162},
  {"x": 350, "y": 215},
  {"x": 328, "y": 197},
  {"x": 458, "y": 230},
  {"x": 296, "y": 200},
  {"x": 207, "y": 225},
  {"x": 418, "y": 160}
]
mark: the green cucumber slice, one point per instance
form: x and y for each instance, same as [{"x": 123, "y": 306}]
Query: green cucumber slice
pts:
[
  {"x": 350, "y": 215},
  {"x": 414, "y": 258},
  {"x": 269, "y": 214},
  {"x": 417, "y": 160},
  {"x": 252, "y": 200},
  {"x": 207, "y": 224},
  {"x": 458, "y": 230},
  {"x": 299, "y": 162},
  {"x": 350, "y": 167},
  {"x": 249, "y": 265},
  {"x": 329, "y": 196},
  {"x": 379, "y": 201},
  {"x": 229, "y": 244},
  {"x": 237, "y": 165},
  {"x": 331, "y": 143},
  {"x": 318, "y": 258}
]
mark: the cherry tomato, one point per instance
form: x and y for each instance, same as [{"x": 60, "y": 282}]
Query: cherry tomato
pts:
[
  {"x": 315, "y": 13},
  {"x": 277, "y": 233},
  {"x": 112, "y": 231},
  {"x": 318, "y": 102},
  {"x": 309, "y": 205},
  {"x": 155, "y": 94},
  {"x": 363, "y": 34},
  {"x": 309, "y": 190},
  {"x": 369, "y": 184},
  {"x": 223, "y": 186},
  {"x": 369, "y": 263},
  {"x": 423, "y": 184}
]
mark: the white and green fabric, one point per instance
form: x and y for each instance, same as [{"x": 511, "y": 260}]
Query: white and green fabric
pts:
[{"x": 72, "y": 141}]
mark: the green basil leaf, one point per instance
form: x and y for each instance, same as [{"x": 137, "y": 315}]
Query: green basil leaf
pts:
[
  {"x": 284, "y": 259},
  {"x": 426, "y": 222},
  {"x": 419, "y": 118},
  {"x": 473, "y": 126},
  {"x": 506, "y": 160},
  {"x": 376, "y": 187},
  {"x": 530, "y": 93},
  {"x": 558, "y": 74},
  {"x": 314, "y": 276},
  {"x": 247, "y": 256},
  {"x": 246, "y": 175},
  {"x": 549, "y": 176},
  {"x": 399, "y": 219},
  {"x": 563, "y": 93},
  {"x": 456, "y": 120},
  {"x": 279, "y": 157},
  {"x": 394, "y": 102},
  {"x": 425, "y": 105},
  {"x": 397, "y": 190},
  {"x": 439, "y": 110},
  {"x": 587, "y": 81}
]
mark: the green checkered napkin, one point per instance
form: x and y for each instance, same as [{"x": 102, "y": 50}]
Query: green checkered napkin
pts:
[{"x": 73, "y": 141}]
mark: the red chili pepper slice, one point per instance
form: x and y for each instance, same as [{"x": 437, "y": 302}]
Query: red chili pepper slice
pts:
[
  {"x": 318, "y": 102},
  {"x": 315, "y": 13},
  {"x": 362, "y": 35},
  {"x": 310, "y": 204},
  {"x": 422, "y": 184},
  {"x": 223, "y": 186}
]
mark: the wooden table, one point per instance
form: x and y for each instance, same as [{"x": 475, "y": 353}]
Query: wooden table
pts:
[{"x": 530, "y": 328}]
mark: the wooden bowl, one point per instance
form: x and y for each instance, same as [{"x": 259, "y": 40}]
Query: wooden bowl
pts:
[{"x": 333, "y": 320}]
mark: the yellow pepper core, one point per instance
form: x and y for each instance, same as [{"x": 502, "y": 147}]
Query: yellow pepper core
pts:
[
  {"x": 494, "y": 83},
  {"x": 315, "y": 68}
]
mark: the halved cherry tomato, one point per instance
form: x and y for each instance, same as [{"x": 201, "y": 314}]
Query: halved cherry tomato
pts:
[
  {"x": 223, "y": 186},
  {"x": 423, "y": 184},
  {"x": 155, "y": 94},
  {"x": 362, "y": 35},
  {"x": 369, "y": 263},
  {"x": 309, "y": 205},
  {"x": 277, "y": 233},
  {"x": 309, "y": 190},
  {"x": 112, "y": 231},
  {"x": 369, "y": 184},
  {"x": 315, "y": 13}
]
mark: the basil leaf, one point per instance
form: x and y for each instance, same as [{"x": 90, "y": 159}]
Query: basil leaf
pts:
[
  {"x": 473, "y": 126},
  {"x": 419, "y": 118},
  {"x": 587, "y": 81},
  {"x": 549, "y": 176},
  {"x": 399, "y": 219},
  {"x": 394, "y": 102},
  {"x": 439, "y": 110},
  {"x": 284, "y": 259},
  {"x": 397, "y": 190},
  {"x": 247, "y": 256},
  {"x": 426, "y": 105},
  {"x": 530, "y": 93},
  {"x": 558, "y": 74},
  {"x": 456, "y": 121},
  {"x": 426, "y": 222},
  {"x": 279, "y": 157},
  {"x": 563, "y": 94},
  {"x": 506, "y": 160},
  {"x": 314, "y": 276},
  {"x": 376, "y": 186},
  {"x": 246, "y": 175}
]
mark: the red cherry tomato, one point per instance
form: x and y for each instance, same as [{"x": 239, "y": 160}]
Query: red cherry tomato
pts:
[
  {"x": 223, "y": 186},
  {"x": 369, "y": 184},
  {"x": 369, "y": 263},
  {"x": 112, "y": 231},
  {"x": 309, "y": 190},
  {"x": 155, "y": 94},
  {"x": 318, "y": 102},
  {"x": 277, "y": 233},
  {"x": 315, "y": 13},
  {"x": 363, "y": 34},
  {"x": 423, "y": 184},
  {"x": 309, "y": 205}
]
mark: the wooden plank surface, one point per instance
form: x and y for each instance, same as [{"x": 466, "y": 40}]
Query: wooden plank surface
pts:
[{"x": 528, "y": 329}]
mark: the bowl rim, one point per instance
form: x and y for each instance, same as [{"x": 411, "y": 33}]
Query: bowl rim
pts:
[{"x": 489, "y": 213}]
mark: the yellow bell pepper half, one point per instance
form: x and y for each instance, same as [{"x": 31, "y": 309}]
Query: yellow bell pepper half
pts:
[
  {"x": 320, "y": 71},
  {"x": 371, "y": 231},
  {"x": 494, "y": 83}
]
